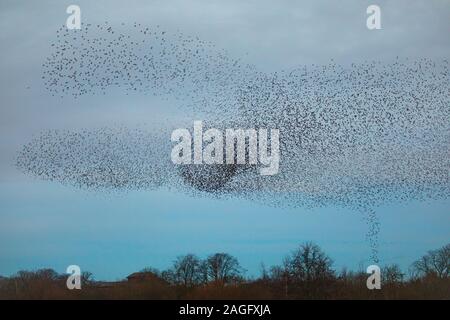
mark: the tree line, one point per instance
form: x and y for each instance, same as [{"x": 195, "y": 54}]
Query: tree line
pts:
[{"x": 306, "y": 273}]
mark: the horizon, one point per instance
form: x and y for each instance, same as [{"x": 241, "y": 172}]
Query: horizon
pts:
[{"x": 112, "y": 232}]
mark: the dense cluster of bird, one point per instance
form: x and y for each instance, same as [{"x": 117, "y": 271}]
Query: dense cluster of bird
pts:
[
  {"x": 354, "y": 135},
  {"x": 143, "y": 60}
]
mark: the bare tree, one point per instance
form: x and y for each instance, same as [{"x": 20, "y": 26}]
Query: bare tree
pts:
[
  {"x": 280, "y": 275},
  {"x": 222, "y": 267},
  {"x": 392, "y": 274},
  {"x": 435, "y": 262},
  {"x": 46, "y": 274},
  {"x": 264, "y": 272},
  {"x": 187, "y": 270},
  {"x": 309, "y": 263},
  {"x": 87, "y": 278},
  {"x": 168, "y": 276}
]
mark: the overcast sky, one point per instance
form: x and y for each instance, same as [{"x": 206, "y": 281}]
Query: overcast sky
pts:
[{"x": 44, "y": 224}]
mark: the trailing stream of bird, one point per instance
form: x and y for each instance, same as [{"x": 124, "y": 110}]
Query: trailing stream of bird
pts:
[{"x": 354, "y": 136}]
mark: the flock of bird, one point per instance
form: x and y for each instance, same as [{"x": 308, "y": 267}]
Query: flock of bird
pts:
[{"x": 355, "y": 136}]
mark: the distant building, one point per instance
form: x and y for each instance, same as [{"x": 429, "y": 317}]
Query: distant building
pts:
[{"x": 143, "y": 276}]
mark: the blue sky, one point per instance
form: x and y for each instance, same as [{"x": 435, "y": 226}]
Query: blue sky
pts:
[{"x": 44, "y": 224}]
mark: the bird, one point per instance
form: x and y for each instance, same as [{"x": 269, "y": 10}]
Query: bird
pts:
[{"x": 355, "y": 136}]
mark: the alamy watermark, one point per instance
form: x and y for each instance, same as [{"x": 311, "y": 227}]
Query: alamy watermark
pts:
[
  {"x": 234, "y": 146},
  {"x": 74, "y": 20},
  {"x": 74, "y": 278},
  {"x": 373, "y": 21},
  {"x": 374, "y": 280}
]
